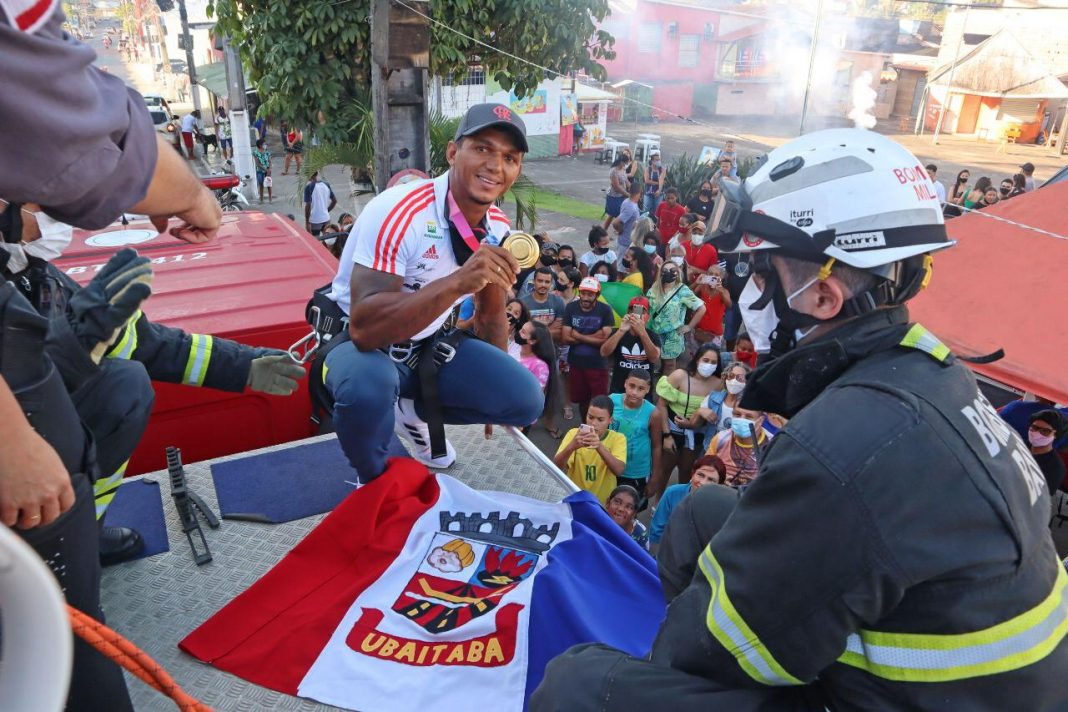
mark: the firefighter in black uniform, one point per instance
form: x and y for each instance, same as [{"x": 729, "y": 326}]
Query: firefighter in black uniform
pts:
[{"x": 893, "y": 552}]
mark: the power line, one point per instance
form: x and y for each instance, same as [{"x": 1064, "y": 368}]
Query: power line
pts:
[
  {"x": 976, "y": 211},
  {"x": 979, "y": 6}
]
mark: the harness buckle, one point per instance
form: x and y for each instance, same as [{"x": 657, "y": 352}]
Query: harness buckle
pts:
[
  {"x": 401, "y": 351},
  {"x": 443, "y": 352}
]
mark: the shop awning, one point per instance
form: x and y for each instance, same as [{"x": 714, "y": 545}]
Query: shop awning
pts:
[
  {"x": 586, "y": 93},
  {"x": 1003, "y": 286},
  {"x": 213, "y": 78}
]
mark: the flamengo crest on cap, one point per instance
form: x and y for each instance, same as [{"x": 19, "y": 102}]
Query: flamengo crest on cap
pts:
[{"x": 502, "y": 113}]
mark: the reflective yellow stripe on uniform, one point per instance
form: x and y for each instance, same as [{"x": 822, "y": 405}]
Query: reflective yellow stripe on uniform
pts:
[
  {"x": 920, "y": 338},
  {"x": 1013, "y": 644},
  {"x": 105, "y": 488},
  {"x": 725, "y": 623},
  {"x": 196, "y": 366},
  {"x": 126, "y": 346}
]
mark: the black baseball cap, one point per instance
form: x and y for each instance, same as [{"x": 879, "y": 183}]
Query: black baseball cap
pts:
[
  {"x": 499, "y": 116},
  {"x": 1028, "y": 167}
]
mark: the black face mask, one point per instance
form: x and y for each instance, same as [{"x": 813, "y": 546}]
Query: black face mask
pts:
[
  {"x": 520, "y": 340},
  {"x": 560, "y": 286},
  {"x": 668, "y": 277},
  {"x": 706, "y": 193},
  {"x": 1005, "y": 191},
  {"x": 512, "y": 320},
  {"x": 566, "y": 262},
  {"x": 600, "y": 250},
  {"x": 548, "y": 260},
  {"x": 627, "y": 264}
]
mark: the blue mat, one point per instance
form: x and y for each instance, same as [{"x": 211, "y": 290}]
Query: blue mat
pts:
[
  {"x": 137, "y": 505},
  {"x": 287, "y": 484}
]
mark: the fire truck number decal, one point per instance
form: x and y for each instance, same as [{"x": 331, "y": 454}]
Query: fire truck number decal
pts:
[{"x": 189, "y": 257}]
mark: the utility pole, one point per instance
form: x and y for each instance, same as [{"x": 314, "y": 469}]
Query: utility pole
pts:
[
  {"x": 949, "y": 86},
  {"x": 185, "y": 41},
  {"x": 240, "y": 131},
  {"x": 811, "y": 65},
  {"x": 400, "y": 59}
]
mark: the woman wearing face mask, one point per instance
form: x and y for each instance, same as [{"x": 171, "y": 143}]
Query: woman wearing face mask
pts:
[
  {"x": 957, "y": 194},
  {"x": 681, "y": 395},
  {"x": 702, "y": 203},
  {"x": 651, "y": 247},
  {"x": 517, "y": 314},
  {"x": 538, "y": 355},
  {"x": 718, "y": 408},
  {"x": 600, "y": 250},
  {"x": 736, "y": 446},
  {"x": 1045, "y": 427},
  {"x": 639, "y": 267},
  {"x": 669, "y": 299},
  {"x": 976, "y": 194},
  {"x": 604, "y": 272}
]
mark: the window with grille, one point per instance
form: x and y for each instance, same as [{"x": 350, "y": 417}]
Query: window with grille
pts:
[
  {"x": 688, "y": 50},
  {"x": 649, "y": 39}
]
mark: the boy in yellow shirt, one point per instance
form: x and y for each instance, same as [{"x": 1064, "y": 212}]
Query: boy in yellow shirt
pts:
[{"x": 592, "y": 455}]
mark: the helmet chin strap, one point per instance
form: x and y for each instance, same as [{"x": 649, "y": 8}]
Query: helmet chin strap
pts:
[{"x": 791, "y": 321}]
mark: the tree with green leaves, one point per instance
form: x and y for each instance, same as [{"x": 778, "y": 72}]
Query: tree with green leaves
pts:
[{"x": 310, "y": 60}]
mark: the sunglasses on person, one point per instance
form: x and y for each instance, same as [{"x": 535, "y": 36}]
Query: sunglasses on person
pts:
[
  {"x": 740, "y": 377},
  {"x": 1041, "y": 430}
]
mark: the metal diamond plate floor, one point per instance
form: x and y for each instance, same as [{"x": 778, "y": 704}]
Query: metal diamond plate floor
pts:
[{"x": 155, "y": 602}]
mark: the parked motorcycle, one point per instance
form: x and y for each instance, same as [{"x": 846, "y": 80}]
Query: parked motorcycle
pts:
[{"x": 227, "y": 190}]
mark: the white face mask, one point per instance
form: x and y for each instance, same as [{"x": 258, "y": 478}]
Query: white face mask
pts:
[
  {"x": 601, "y": 277},
  {"x": 706, "y": 369},
  {"x": 678, "y": 259},
  {"x": 758, "y": 324},
  {"x": 735, "y": 387},
  {"x": 55, "y": 237},
  {"x": 697, "y": 238},
  {"x": 801, "y": 333}
]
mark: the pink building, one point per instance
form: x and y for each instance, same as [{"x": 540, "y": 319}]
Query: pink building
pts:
[{"x": 668, "y": 44}]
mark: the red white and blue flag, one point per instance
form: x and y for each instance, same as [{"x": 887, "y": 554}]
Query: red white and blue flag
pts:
[{"x": 419, "y": 593}]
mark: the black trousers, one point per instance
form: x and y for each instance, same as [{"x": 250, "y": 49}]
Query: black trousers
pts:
[
  {"x": 70, "y": 544},
  {"x": 115, "y": 405}
]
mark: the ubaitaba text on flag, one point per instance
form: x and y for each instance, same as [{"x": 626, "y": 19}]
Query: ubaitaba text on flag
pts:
[{"x": 419, "y": 593}]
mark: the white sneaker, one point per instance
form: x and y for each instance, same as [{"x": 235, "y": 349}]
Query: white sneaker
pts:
[{"x": 416, "y": 432}]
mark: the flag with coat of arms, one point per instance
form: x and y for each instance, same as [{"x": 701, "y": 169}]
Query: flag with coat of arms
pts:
[{"x": 419, "y": 593}]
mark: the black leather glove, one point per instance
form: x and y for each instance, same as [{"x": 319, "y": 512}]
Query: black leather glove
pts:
[{"x": 99, "y": 311}]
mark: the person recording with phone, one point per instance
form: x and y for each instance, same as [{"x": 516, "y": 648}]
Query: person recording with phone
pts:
[
  {"x": 592, "y": 455},
  {"x": 711, "y": 290}
]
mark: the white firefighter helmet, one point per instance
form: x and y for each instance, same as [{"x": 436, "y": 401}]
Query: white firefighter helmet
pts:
[{"x": 850, "y": 194}]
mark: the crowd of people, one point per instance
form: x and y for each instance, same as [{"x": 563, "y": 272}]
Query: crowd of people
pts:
[
  {"x": 964, "y": 195},
  {"x": 656, "y": 388}
]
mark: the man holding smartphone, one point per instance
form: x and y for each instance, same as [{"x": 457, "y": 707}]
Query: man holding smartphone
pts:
[{"x": 632, "y": 347}]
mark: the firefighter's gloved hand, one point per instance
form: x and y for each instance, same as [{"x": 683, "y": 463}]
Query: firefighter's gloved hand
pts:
[
  {"x": 99, "y": 311},
  {"x": 274, "y": 374}
]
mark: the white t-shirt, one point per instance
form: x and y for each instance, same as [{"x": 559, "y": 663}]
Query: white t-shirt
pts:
[
  {"x": 940, "y": 191},
  {"x": 590, "y": 258},
  {"x": 320, "y": 202},
  {"x": 405, "y": 231}
]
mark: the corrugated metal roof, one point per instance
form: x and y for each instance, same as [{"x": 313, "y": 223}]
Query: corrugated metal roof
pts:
[{"x": 1001, "y": 66}]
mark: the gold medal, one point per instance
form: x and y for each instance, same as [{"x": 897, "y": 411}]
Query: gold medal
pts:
[{"x": 524, "y": 248}]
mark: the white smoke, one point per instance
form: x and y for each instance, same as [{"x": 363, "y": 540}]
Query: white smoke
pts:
[{"x": 863, "y": 102}]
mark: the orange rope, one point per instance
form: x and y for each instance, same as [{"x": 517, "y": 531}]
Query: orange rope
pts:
[{"x": 129, "y": 656}]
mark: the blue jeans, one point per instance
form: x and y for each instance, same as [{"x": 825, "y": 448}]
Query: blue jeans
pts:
[
  {"x": 650, "y": 203},
  {"x": 482, "y": 384}
]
